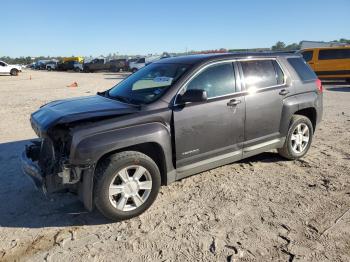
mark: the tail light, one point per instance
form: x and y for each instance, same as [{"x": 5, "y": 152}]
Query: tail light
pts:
[{"x": 319, "y": 85}]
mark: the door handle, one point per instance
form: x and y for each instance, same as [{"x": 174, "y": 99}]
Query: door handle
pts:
[
  {"x": 284, "y": 92},
  {"x": 233, "y": 102}
]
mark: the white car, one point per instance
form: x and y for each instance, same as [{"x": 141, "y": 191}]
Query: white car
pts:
[
  {"x": 9, "y": 69},
  {"x": 141, "y": 62}
]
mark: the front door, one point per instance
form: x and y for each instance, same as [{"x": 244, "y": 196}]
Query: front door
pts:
[{"x": 210, "y": 132}]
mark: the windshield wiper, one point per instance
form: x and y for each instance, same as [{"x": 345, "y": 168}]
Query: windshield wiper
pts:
[{"x": 122, "y": 99}]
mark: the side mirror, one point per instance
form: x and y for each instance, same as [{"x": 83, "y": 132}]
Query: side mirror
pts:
[{"x": 194, "y": 95}]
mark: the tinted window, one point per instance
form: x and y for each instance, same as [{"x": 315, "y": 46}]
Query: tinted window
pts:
[
  {"x": 302, "y": 69},
  {"x": 217, "y": 80},
  {"x": 2, "y": 64},
  {"x": 307, "y": 55},
  {"x": 334, "y": 54},
  {"x": 260, "y": 74},
  {"x": 141, "y": 60}
]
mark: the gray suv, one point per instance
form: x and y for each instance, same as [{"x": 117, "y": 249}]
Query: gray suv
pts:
[{"x": 171, "y": 119}]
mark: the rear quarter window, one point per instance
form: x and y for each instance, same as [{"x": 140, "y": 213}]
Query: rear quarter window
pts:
[
  {"x": 302, "y": 69},
  {"x": 307, "y": 55}
]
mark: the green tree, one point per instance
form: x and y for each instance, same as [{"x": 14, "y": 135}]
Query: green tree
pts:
[
  {"x": 279, "y": 46},
  {"x": 292, "y": 47}
]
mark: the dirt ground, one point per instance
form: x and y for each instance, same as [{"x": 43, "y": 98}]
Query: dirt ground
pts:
[{"x": 262, "y": 208}]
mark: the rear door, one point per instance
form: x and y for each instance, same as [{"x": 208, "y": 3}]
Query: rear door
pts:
[
  {"x": 265, "y": 84},
  {"x": 211, "y": 131}
]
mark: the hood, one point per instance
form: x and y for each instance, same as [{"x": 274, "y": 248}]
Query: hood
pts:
[{"x": 76, "y": 109}]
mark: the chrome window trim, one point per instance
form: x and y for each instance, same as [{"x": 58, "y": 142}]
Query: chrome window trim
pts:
[
  {"x": 202, "y": 69},
  {"x": 240, "y": 77}
]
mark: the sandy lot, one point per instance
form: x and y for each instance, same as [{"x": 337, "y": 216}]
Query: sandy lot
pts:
[{"x": 262, "y": 208}]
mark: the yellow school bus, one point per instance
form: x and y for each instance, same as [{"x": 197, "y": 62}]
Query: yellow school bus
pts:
[{"x": 329, "y": 62}]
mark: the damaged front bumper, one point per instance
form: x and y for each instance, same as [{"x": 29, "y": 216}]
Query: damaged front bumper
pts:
[
  {"x": 78, "y": 179},
  {"x": 65, "y": 176},
  {"x": 30, "y": 165}
]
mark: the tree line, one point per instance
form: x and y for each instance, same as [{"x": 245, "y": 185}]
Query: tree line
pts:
[{"x": 281, "y": 46}]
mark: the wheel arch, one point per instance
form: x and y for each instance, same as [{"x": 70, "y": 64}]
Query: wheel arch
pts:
[
  {"x": 302, "y": 104},
  {"x": 150, "y": 149},
  {"x": 310, "y": 113},
  {"x": 152, "y": 139}
]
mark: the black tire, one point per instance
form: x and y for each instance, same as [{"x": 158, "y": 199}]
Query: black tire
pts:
[
  {"x": 49, "y": 68},
  {"x": 133, "y": 70},
  {"x": 287, "y": 151},
  {"x": 105, "y": 173},
  {"x": 14, "y": 72}
]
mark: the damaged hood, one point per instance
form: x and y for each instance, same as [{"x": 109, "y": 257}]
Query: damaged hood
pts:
[{"x": 76, "y": 109}]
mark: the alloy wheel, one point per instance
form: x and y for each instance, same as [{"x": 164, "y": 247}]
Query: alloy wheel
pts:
[
  {"x": 300, "y": 138},
  {"x": 130, "y": 188}
]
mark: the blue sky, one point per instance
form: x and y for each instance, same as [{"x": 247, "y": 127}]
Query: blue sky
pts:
[{"x": 32, "y": 28}]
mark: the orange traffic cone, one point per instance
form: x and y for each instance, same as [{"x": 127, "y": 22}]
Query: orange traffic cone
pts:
[{"x": 74, "y": 84}]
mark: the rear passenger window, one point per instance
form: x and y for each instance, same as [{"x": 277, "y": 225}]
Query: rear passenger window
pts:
[
  {"x": 217, "y": 80},
  {"x": 307, "y": 55},
  {"x": 261, "y": 73},
  {"x": 302, "y": 69},
  {"x": 329, "y": 54}
]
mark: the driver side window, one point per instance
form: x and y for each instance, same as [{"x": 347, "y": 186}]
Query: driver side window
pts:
[
  {"x": 217, "y": 80},
  {"x": 2, "y": 64}
]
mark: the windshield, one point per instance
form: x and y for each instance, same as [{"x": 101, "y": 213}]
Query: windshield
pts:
[{"x": 148, "y": 84}]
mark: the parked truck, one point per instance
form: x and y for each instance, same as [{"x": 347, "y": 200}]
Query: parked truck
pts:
[{"x": 100, "y": 64}]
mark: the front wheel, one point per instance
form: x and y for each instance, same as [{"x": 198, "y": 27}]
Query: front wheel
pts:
[
  {"x": 127, "y": 184},
  {"x": 299, "y": 138},
  {"x": 14, "y": 72}
]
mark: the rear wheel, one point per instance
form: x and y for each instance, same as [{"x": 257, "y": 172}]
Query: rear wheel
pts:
[
  {"x": 299, "y": 138},
  {"x": 14, "y": 72},
  {"x": 127, "y": 184}
]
